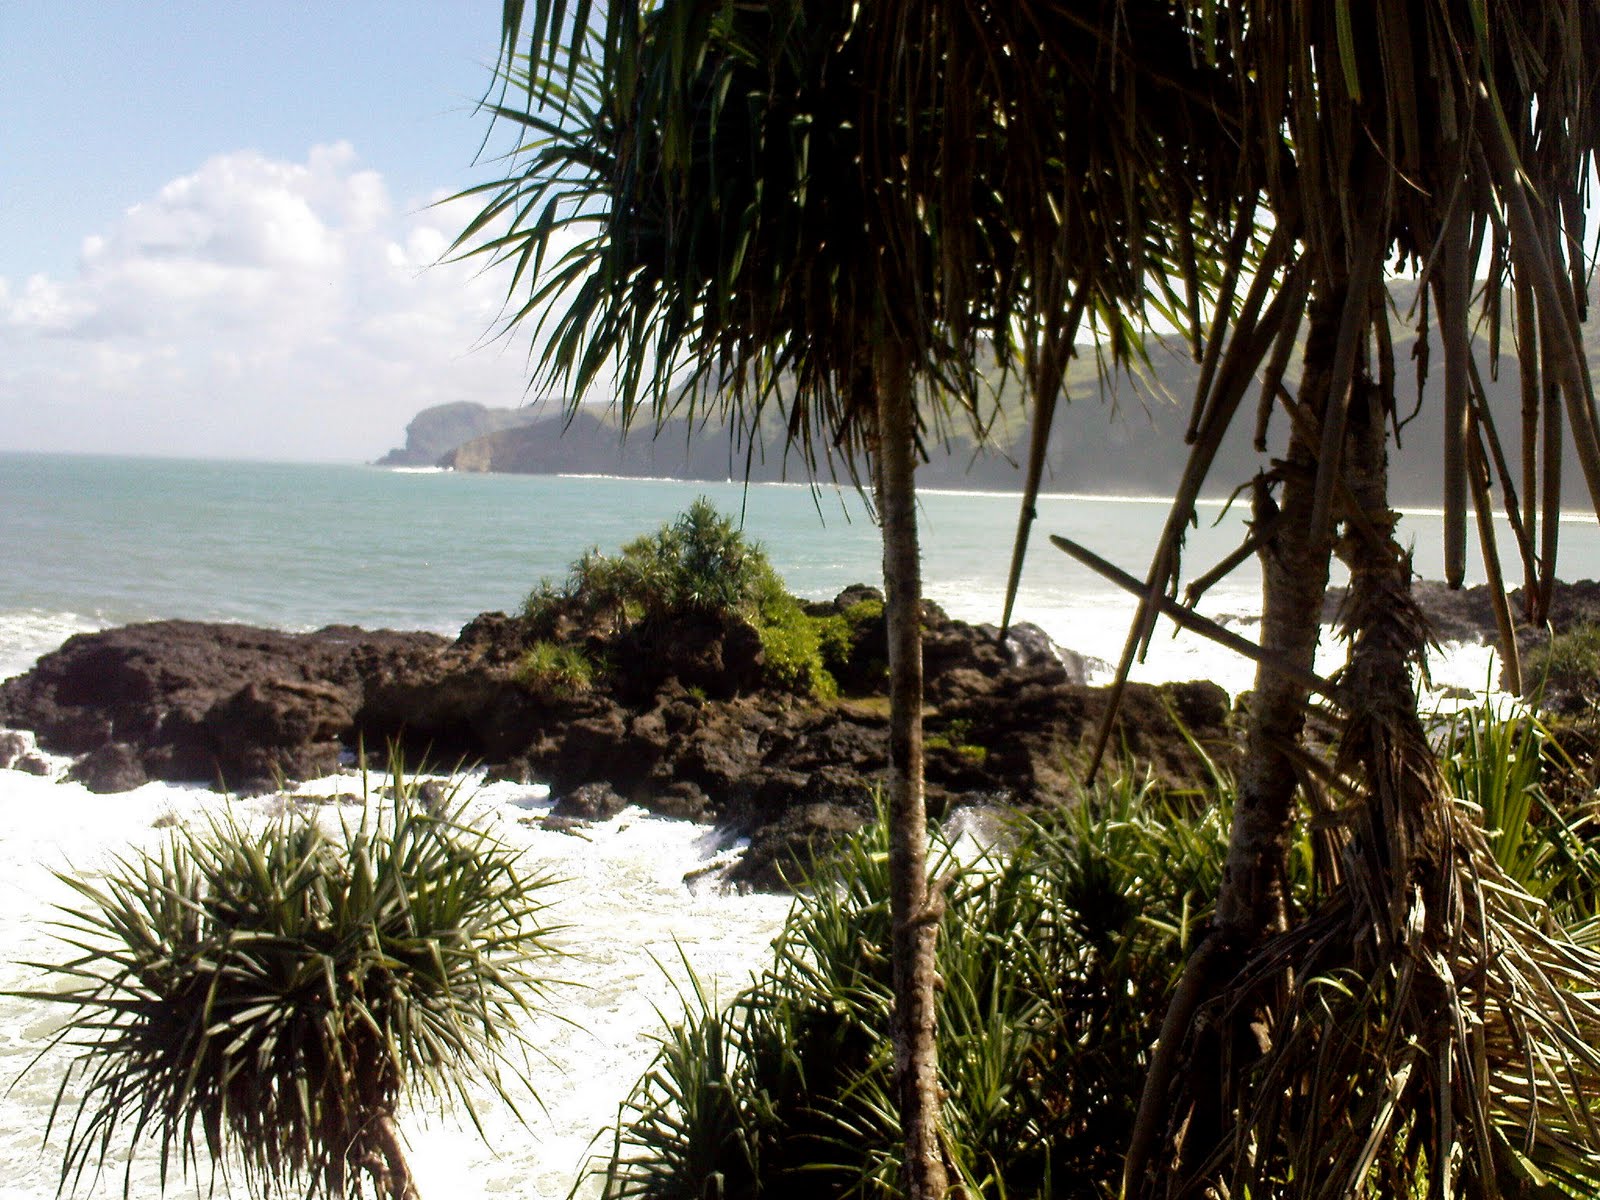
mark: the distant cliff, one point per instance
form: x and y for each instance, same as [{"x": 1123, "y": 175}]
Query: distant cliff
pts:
[
  {"x": 590, "y": 444},
  {"x": 435, "y": 432},
  {"x": 1124, "y": 439}
]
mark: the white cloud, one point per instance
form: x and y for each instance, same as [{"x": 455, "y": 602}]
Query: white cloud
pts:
[{"x": 254, "y": 308}]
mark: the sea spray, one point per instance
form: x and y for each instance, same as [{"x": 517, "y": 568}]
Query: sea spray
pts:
[{"x": 632, "y": 925}]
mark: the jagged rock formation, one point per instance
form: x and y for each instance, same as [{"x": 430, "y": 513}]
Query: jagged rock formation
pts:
[{"x": 697, "y": 733}]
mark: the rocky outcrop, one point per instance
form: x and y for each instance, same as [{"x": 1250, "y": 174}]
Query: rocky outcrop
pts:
[
  {"x": 13, "y": 747},
  {"x": 195, "y": 701},
  {"x": 436, "y": 431},
  {"x": 113, "y": 767},
  {"x": 682, "y": 723},
  {"x": 1467, "y": 614}
]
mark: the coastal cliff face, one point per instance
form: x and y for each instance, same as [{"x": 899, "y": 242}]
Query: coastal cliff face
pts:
[
  {"x": 555, "y": 445},
  {"x": 435, "y": 432},
  {"x": 1124, "y": 438},
  {"x": 589, "y": 444}
]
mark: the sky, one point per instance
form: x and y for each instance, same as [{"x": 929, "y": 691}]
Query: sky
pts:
[{"x": 220, "y": 233}]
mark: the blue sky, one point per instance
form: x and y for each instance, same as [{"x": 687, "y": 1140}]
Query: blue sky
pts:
[{"x": 215, "y": 225}]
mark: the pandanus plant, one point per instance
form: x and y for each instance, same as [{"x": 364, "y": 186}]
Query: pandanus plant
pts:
[
  {"x": 1421, "y": 1030},
  {"x": 769, "y": 214},
  {"x": 272, "y": 994},
  {"x": 1443, "y": 136}
]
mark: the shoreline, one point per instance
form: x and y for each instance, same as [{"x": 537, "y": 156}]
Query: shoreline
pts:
[{"x": 685, "y": 721}]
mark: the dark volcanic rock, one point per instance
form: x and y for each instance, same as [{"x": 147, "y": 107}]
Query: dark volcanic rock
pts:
[
  {"x": 275, "y": 727},
  {"x": 1467, "y": 614},
  {"x": 12, "y": 747},
  {"x": 681, "y": 799},
  {"x": 449, "y": 707},
  {"x": 1035, "y": 735},
  {"x": 591, "y": 802},
  {"x": 782, "y": 853},
  {"x": 198, "y": 701},
  {"x": 114, "y": 767},
  {"x": 679, "y": 722},
  {"x": 32, "y": 764},
  {"x": 493, "y": 637},
  {"x": 718, "y": 656}
]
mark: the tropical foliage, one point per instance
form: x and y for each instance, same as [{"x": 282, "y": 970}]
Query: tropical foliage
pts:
[
  {"x": 698, "y": 566},
  {"x": 272, "y": 995},
  {"x": 1423, "y": 135},
  {"x": 755, "y": 212},
  {"x": 1056, "y": 955},
  {"x": 1061, "y": 950},
  {"x": 1273, "y": 160}
]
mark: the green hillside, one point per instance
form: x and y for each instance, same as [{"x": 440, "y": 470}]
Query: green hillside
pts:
[{"x": 1118, "y": 435}]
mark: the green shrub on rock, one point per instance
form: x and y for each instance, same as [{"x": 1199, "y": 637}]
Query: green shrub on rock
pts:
[
  {"x": 1565, "y": 671},
  {"x": 699, "y": 566},
  {"x": 701, "y": 563},
  {"x": 551, "y": 669},
  {"x": 801, "y": 651}
]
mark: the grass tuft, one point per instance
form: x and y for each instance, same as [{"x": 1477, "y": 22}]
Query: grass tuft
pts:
[{"x": 551, "y": 669}]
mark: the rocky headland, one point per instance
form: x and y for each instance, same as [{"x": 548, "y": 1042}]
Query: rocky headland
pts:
[
  {"x": 684, "y": 721},
  {"x": 435, "y": 432},
  {"x": 1119, "y": 437}
]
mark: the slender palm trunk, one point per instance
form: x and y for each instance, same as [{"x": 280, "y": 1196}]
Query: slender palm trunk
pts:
[
  {"x": 1188, "y": 1083},
  {"x": 1294, "y": 583},
  {"x": 914, "y": 908},
  {"x": 1400, "y": 857},
  {"x": 384, "y": 1159}
]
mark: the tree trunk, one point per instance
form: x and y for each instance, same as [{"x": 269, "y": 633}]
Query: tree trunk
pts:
[
  {"x": 1294, "y": 583},
  {"x": 1187, "y": 1085},
  {"x": 384, "y": 1160},
  {"x": 913, "y": 907},
  {"x": 1397, "y": 848}
]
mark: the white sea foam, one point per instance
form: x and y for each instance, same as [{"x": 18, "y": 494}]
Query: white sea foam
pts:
[
  {"x": 26, "y": 634},
  {"x": 632, "y": 922},
  {"x": 1098, "y": 625}
]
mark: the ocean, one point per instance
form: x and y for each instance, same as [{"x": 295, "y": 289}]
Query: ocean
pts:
[{"x": 94, "y": 542}]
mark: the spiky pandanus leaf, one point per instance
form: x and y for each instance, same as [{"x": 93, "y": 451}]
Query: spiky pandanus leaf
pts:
[{"x": 271, "y": 994}]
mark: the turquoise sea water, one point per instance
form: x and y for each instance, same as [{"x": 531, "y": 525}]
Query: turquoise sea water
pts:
[
  {"x": 94, "y": 541},
  {"x": 296, "y": 545}
]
